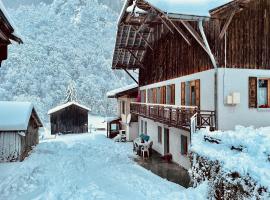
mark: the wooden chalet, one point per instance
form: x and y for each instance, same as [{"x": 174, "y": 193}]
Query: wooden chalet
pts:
[
  {"x": 190, "y": 67},
  {"x": 19, "y": 125},
  {"x": 69, "y": 118},
  {"x": 124, "y": 121},
  {"x": 7, "y": 33}
]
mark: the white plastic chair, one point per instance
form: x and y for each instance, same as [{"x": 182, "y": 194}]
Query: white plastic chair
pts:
[{"x": 145, "y": 149}]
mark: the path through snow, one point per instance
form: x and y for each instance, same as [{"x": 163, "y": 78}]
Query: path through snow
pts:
[{"x": 85, "y": 167}]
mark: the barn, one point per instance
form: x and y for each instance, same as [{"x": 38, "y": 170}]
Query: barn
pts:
[
  {"x": 70, "y": 117},
  {"x": 19, "y": 125}
]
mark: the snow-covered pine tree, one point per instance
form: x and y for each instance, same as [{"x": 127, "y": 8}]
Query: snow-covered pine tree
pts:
[{"x": 71, "y": 92}]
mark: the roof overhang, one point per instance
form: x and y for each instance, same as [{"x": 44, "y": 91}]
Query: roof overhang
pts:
[
  {"x": 7, "y": 31},
  {"x": 135, "y": 28}
]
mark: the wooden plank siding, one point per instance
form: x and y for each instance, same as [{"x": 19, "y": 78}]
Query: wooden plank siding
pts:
[
  {"x": 10, "y": 146},
  {"x": 248, "y": 43},
  {"x": 72, "y": 119}
]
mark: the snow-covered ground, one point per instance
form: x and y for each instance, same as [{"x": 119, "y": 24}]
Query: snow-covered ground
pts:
[
  {"x": 86, "y": 166},
  {"x": 253, "y": 159}
]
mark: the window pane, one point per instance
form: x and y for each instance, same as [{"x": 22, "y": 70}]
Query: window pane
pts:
[
  {"x": 263, "y": 93},
  {"x": 145, "y": 128}
]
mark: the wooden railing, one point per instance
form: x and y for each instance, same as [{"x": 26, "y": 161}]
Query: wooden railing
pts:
[{"x": 184, "y": 117}]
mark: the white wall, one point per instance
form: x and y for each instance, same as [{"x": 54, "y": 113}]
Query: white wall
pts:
[
  {"x": 174, "y": 140},
  {"x": 132, "y": 131},
  {"x": 236, "y": 80},
  {"x": 207, "y": 87}
]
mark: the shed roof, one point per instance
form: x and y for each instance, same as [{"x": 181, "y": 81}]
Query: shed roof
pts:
[
  {"x": 8, "y": 22},
  {"x": 15, "y": 116},
  {"x": 60, "y": 107},
  {"x": 122, "y": 91}
]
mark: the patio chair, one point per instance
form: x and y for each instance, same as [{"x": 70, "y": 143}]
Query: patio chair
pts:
[{"x": 145, "y": 150}]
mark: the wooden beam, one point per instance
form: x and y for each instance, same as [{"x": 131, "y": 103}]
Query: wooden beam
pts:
[
  {"x": 131, "y": 76},
  {"x": 165, "y": 23},
  {"x": 227, "y": 23},
  {"x": 138, "y": 60},
  {"x": 194, "y": 33},
  {"x": 133, "y": 48},
  {"x": 148, "y": 44},
  {"x": 178, "y": 29}
]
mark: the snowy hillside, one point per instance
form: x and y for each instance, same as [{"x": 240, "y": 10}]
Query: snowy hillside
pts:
[{"x": 63, "y": 41}]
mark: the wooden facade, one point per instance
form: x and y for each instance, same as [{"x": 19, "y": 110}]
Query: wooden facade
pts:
[
  {"x": 164, "y": 54},
  {"x": 70, "y": 119},
  {"x": 16, "y": 145}
]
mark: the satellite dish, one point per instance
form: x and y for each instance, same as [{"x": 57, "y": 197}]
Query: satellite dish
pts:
[{"x": 128, "y": 118}]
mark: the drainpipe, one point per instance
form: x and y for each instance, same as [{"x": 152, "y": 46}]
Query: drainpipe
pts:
[{"x": 213, "y": 60}]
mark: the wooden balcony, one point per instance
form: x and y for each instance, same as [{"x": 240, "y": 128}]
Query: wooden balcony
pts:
[{"x": 182, "y": 117}]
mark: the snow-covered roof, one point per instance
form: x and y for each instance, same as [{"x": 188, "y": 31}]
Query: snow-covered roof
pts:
[
  {"x": 10, "y": 21},
  {"x": 15, "y": 116},
  {"x": 113, "y": 93},
  {"x": 57, "y": 108},
  {"x": 188, "y": 7},
  {"x": 253, "y": 160},
  {"x": 184, "y": 7}
]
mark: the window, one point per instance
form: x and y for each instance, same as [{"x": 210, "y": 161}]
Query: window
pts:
[
  {"x": 141, "y": 126},
  {"x": 145, "y": 128},
  {"x": 114, "y": 127},
  {"x": 123, "y": 107},
  {"x": 259, "y": 92},
  {"x": 184, "y": 145},
  {"x": 159, "y": 135},
  {"x": 170, "y": 95},
  {"x": 190, "y": 93},
  {"x": 263, "y": 93}
]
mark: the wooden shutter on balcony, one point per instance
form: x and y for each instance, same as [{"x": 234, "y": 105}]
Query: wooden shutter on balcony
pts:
[
  {"x": 154, "y": 95},
  {"x": 173, "y": 94},
  {"x": 163, "y": 95},
  {"x": 198, "y": 93},
  {"x": 253, "y": 92},
  {"x": 183, "y": 93}
]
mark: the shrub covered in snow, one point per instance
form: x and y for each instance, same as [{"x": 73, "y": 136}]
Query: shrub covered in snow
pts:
[{"x": 236, "y": 163}]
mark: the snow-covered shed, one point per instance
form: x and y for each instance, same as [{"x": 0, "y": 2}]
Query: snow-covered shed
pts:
[
  {"x": 70, "y": 117},
  {"x": 7, "y": 32},
  {"x": 19, "y": 124}
]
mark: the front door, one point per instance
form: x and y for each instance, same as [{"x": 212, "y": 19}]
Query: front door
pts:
[{"x": 166, "y": 141}]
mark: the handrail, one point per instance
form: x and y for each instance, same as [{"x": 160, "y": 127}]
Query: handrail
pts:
[
  {"x": 165, "y": 105},
  {"x": 184, "y": 117}
]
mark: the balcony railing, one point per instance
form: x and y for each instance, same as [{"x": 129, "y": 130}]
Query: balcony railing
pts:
[{"x": 184, "y": 117}]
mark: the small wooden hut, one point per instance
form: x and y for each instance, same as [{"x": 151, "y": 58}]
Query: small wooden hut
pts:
[
  {"x": 19, "y": 124},
  {"x": 69, "y": 118}
]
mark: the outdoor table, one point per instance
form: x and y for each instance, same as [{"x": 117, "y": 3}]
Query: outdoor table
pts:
[{"x": 141, "y": 144}]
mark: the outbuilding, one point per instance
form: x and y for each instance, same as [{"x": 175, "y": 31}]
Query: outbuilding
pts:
[
  {"x": 70, "y": 117},
  {"x": 19, "y": 125}
]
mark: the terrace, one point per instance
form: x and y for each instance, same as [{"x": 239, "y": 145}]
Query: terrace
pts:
[{"x": 188, "y": 118}]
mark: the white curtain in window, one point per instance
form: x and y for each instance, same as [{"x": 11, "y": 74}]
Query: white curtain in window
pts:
[{"x": 262, "y": 96}]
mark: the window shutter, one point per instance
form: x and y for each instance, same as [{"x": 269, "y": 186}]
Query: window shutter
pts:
[
  {"x": 253, "y": 92},
  {"x": 155, "y": 95},
  {"x": 183, "y": 93},
  {"x": 173, "y": 94},
  {"x": 164, "y": 95},
  {"x": 198, "y": 93}
]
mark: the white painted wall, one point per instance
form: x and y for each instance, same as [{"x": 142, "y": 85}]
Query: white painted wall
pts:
[
  {"x": 131, "y": 128},
  {"x": 236, "y": 80},
  {"x": 175, "y": 141},
  {"x": 132, "y": 131},
  {"x": 207, "y": 87}
]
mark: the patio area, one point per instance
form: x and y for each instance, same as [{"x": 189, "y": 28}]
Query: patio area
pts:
[{"x": 170, "y": 171}]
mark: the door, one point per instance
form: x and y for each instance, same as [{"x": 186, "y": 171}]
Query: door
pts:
[{"x": 166, "y": 141}]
